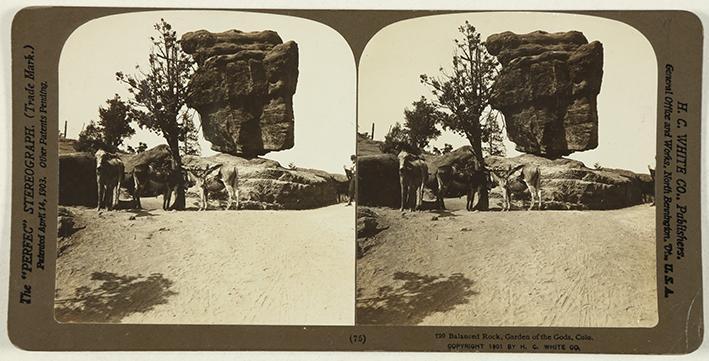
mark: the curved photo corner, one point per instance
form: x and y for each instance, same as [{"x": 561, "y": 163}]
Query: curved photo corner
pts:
[
  {"x": 585, "y": 256},
  {"x": 273, "y": 114}
]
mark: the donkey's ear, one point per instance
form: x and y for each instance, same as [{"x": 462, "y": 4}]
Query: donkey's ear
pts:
[{"x": 213, "y": 168}]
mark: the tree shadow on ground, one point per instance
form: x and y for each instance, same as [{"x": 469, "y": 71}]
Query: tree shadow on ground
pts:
[
  {"x": 418, "y": 297},
  {"x": 116, "y": 298},
  {"x": 443, "y": 213},
  {"x": 140, "y": 212}
]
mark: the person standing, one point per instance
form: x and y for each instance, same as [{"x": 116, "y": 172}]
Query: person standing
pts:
[{"x": 351, "y": 172}]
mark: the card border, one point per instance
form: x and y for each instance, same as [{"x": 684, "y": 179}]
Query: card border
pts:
[{"x": 676, "y": 37}]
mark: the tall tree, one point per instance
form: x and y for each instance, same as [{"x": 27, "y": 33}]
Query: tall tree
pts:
[
  {"x": 421, "y": 121},
  {"x": 464, "y": 92},
  {"x": 159, "y": 94}
]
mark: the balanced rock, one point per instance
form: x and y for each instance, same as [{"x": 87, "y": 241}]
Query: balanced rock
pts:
[
  {"x": 547, "y": 90},
  {"x": 243, "y": 89}
]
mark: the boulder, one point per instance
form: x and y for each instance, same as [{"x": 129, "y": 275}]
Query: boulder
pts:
[
  {"x": 158, "y": 157},
  {"x": 77, "y": 174},
  {"x": 378, "y": 180},
  {"x": 461, "y": 158},
  {"x": 243, "y": 89},
  {"x": 265, "y": 184},
  {"x": 565, "y": 183},
  {"x": 368, "y": 226},
  {"x": 547, "y": 90},
  {"x": 569, "y": 184},
  {"x": 378, "y": 174},
  {"x": 77, "y": 179}
]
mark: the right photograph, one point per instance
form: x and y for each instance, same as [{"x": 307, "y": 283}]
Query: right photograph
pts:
[{"x": 505, "y": 173}]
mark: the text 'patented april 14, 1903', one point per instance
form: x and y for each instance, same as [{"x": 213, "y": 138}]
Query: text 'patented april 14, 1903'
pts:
[{"x": 34, "y": 178}]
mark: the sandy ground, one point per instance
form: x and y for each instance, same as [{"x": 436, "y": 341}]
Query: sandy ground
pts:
[
  {"x": 224, "y": 267},
  {"x": 538, "y": 268}
]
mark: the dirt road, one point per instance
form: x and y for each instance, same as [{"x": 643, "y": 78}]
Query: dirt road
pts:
[
  {"x": 225, "y": 267},
  {"x": 539, "y": 268}
]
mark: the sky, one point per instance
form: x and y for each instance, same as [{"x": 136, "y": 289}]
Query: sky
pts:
[
  {"x": 627, "y": 109},
  {"x": 324, "y": 104}
]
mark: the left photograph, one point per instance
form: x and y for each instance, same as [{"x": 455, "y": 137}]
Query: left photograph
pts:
[{"x": 205, "y": 171}]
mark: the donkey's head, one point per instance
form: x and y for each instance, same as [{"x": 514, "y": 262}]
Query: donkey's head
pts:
[{"x": 199, "y": 175}]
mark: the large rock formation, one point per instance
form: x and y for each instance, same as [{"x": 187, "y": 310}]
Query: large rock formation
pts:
[
  {"x": 547, "y": 90},
  {"x": 569, "y": 184},
  {"x": 378, "y": 174},
  {"x": 243, "y": 89},
  {"x": 461, "y": 158},
  {"x": 565, "y": 183},
  {"x": 378, "y": 180},
  {"x": 77, "y": 174},
  {"x": 77, "y": 179},
  {"x": 265, "y": 184}
]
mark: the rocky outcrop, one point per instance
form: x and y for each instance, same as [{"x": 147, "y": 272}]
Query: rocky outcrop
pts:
[
  {"x": 569, "y": 184},
  {"x": 547, "y": 90},
  {"x": 367, "y": 227},
  {"x": 566, "y": 183},
  {"x": 243, "y": 89},
  {"x": 265, "y": 184},
  {"x": 77, "y": 174},
  {"x": 378, "y": 180},
  {"x": 77, "y": 179},
  {"x": 378, "y": 174},
  {"x": 462, "y": 158},
  {"x": 159, "y": 157}
]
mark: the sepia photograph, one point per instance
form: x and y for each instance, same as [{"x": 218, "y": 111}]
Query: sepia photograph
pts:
[
  {"x": 310, "y": 179},
  {"x": 505, "y": 173},
  {"x": 206, "y": 171}
]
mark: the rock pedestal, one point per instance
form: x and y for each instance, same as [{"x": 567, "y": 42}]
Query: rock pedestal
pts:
[
  {"x": 265, "y": 184},
  {"x": 569, "y": 184}
]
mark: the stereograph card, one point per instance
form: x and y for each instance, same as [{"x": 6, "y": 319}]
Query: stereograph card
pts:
[{"x": 356, "y": 180}]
